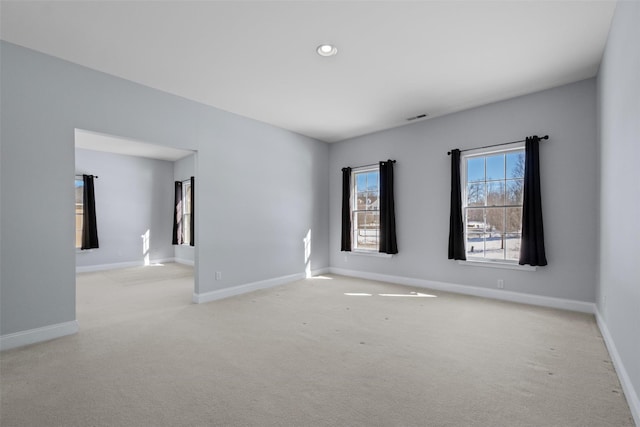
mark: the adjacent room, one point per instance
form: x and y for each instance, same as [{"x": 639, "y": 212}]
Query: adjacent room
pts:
[{"x": 311, "y": 213}]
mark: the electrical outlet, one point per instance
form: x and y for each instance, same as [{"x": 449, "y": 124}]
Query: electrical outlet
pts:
[
  {"x": 500, "y": 284},
  {"x": 218, "y": 275}
]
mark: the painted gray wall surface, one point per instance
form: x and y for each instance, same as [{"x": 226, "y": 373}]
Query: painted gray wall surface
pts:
[
  {"x": 619, "y": 94},
  {"x": 183, "y": 170},
  {"x": 260, "y": 189},
  {"x": 133, "y": 195},
  {"x": 422, "y": 189}
]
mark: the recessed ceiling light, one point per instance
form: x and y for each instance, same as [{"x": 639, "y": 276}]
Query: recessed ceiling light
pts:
[{"x": 327, "y": 50}]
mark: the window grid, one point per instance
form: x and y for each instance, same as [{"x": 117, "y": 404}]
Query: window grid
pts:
[
  {"x": 186, "y": 212},
  {"x": 79, "y": 186},
  {"x": 492, "y": 200},
  {"x": 366, "y": 209}
]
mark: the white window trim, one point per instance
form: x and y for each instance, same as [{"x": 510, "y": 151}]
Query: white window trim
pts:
[
  {"x": 369, "y": 252},
  {"x": 79, "y": 248},
  {"x": 353, "y": 193},
  {"x": 184, "y": 204},
  {"x": 483, "y": 152},
  {"x": 497, "y": 264}
]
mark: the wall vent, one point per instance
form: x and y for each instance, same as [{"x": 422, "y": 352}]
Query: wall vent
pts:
[{"x": 419, "y": 116}]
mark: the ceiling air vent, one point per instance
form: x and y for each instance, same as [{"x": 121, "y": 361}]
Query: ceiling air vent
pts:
[{"x": 419, "y": 116}]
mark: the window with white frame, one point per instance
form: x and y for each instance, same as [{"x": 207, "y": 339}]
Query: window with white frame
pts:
[
  {"x": 79, "y": 184},
  {"x": 186, "y": 212},
  {"x": 365, "y": 209},
  {"x": 492, "y": 204}
]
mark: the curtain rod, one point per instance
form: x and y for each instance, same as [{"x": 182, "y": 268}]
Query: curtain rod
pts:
[
  {"x": 95, "y": 176},
  {"x": 496, "y": 145},
  {"x": 373, "y": 164}
]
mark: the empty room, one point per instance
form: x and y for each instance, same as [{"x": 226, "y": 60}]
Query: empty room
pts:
[{"x": 319, "y": 213}]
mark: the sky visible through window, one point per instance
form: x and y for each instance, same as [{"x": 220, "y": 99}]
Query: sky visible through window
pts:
[{"x": 495, "y": 167}]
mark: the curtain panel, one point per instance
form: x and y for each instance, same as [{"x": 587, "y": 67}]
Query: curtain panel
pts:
[
  {"x": 90, "y": 225},
  {"x": 456, "y": 226},
  {"x": 345, "y": 241},
  {"x": 532, "y": 245},
  {"x": 192, "y": 222},
  {"x": 387, "y": 241}
]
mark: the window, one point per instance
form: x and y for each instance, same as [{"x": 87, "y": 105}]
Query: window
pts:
[
  {"x": 79, "y": 211},
  {"x": 366, "y": 208},
  {"x": 186, "y": 212},
  {"x": 492, "y": 204}
]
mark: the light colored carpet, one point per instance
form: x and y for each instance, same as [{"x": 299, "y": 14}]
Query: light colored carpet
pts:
[{"x": 307, "y": 354}]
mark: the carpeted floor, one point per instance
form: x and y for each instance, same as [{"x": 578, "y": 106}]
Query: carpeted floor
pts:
[{"x": 326, "y": 351}]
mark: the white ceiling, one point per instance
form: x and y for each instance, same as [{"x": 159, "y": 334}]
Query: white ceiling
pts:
[{"x": 395, "y": 59}]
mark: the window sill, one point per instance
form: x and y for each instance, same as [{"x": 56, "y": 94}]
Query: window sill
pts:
[
  {"x": 369, "y": 253},
  {"x": 497, "y": 264}
]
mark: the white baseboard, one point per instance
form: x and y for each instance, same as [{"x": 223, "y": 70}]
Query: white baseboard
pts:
[
  {"x": 627, "y": 386},
  {"x": 565, "y": 304},
  {"x": 184, "y": 261},
  {"x": 116, "y": 265},
  {"x": 320, "y": 271},
  {"x": 32, "y": 336},
  {"x": 250, "y": 287},
  {"x": 243, "y": 289}
]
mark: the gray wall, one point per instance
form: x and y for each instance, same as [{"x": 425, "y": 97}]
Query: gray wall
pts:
[
  {"x": 422, "y": 184},
  {"x": 133, "y": 195},
  {"x": 619, "y": 282},
  {"x": 183, "y": 170},
  {"x": 260, "y": 189}
]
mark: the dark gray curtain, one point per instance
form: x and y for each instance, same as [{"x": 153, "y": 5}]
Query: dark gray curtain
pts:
[
  {"x": 532, "y": 245},
  {"x": 89, "y": 223},
  {"x": 192, "y": 226},
  {"x": 177, "y": 214},
  {"x": 387, "y": 242},
  {"x": 346, "y": 210},
  {"x": 456, "y": 226}
]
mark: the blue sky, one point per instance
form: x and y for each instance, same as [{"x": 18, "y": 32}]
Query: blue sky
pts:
[{"x": 495, "y": 167}]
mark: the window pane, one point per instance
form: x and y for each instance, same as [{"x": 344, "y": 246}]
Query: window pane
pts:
[
  {"x": 475, "y": 233},
  {"x": 515, "y": 165},
  {"x": 371, "y": 200},
  {"x": 186, "y": 229},
  {"x": 475, "y": 169},
  {"x": 494, "y": 243},
  {"x": 187, "y": 197},
  {"x": 79, "y": 185},
  {"x": 366, "y": 206},
  {"x": 361, "y": 200},
  {"x": 515, "y": 189},
  {"x": 513, "y": 247},
  {"x": 493, "y": 232},
  {"x": 514, "y": 220},
  {"x": 367, "y": 226},
  {"x": 361, "y": 181},
  {"x": 495, "y": 193},
  {"x": 79, "y": 191},
  {"x": 475, "y": 220},
  {"x": 476, "y": 194},
  {"x": 475, "y": 245},
  {"x": 495, "y": 220},
  {"x": 372, "y": 181},
  {"x": 495, "y": 167}
]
